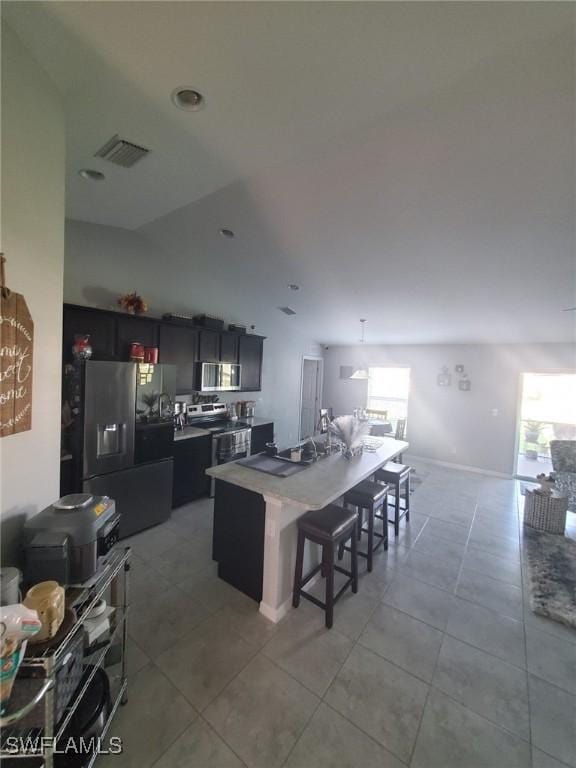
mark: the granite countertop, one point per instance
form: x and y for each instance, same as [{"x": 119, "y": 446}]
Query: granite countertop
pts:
[
  {"x": 188, "y": 432},
  {"x": 321, "y": 483}
]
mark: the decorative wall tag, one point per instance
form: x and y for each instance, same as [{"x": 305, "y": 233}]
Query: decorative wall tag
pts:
[
  {"x": 444, "y": 378},
  {"x": 16, "y": 360}
]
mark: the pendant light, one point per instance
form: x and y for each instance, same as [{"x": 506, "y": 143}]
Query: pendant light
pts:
[{"x": 362, "y": 372}]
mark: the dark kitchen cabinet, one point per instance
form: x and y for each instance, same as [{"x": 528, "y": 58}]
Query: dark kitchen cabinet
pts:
[
  {"x": 209, "y": 346},
  {"x": 228, "y": 348},
  {"x": 192, "y": 457},
  {"x": 111, "y": 334},
  {"x": 238, "y": 537},
  {"x": 250, "y": 358},
  {"x": 178, "y": 346},
  {"x": 100, "y": 326},
  {"x": 261, "y": 434},
  {"x": 131, "y": 329}
]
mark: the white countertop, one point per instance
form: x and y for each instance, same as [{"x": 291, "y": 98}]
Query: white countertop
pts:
[{"x": 320, "y": 484}]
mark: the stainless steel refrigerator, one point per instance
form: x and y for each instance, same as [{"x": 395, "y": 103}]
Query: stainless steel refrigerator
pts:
[{"x": 106, "y": 434}]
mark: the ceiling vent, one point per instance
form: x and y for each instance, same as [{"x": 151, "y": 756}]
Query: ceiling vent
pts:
[
  {"x": 287, "y": 310},
  {"x": 122, "y": 152}
]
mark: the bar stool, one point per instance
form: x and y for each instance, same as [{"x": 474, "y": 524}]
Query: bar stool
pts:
[
  {"x": 329, "y": 527},
  {"x": 368, "y": 497},
  {"x": 399, "y": 435},
  {"x": 397, "y": 475}
]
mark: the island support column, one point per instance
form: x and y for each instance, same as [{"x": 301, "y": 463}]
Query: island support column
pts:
[{"x": 280, "y": 534}]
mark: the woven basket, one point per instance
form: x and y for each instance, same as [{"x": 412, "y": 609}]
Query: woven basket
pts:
[{"x": 545, "y": 513}]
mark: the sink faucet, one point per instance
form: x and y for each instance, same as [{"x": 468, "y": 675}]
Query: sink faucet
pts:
[{"x": 311, "y": 440}]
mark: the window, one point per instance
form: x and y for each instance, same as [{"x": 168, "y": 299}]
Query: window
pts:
[
  {"x": 547, "y": 412},
  {"x": 388, "y": 390}
]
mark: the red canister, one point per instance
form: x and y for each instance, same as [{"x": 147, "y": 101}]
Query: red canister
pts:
[
  {"x": 151, "y": 355},
  {"x": 136, "y": 352}
]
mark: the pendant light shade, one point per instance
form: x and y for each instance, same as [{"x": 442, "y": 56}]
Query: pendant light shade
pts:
[{"x": 361, "y": 373}]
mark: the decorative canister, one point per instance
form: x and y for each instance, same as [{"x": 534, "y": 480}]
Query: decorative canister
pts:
[
  {"x": 82, "y": 349},
  {"x": 151, "y": 355},
  {"x": 47, "y": 599},
  {"x": 137, "y": 352}
]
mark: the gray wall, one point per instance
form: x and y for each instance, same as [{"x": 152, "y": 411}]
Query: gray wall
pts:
[
  {"x": 103, "y": 262},
  {"x": 33, "y": 241},
  {"x": 475, "y": 428}
]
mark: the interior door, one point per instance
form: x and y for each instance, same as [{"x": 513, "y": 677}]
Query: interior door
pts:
[{"x": 310, "y": 408}]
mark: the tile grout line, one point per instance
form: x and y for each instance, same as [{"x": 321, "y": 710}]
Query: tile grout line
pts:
[
  {"x": 521, "y": 522},
  {"x": 322, "y": 698},
  {"x": 413, "y": 750}
]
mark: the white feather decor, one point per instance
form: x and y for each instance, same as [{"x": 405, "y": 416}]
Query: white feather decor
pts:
[{"x": 349, "y": 431}]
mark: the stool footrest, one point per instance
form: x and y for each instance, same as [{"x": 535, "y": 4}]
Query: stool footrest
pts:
[
  {"x": 343, "y": 588},
  {"x": 311, "y": 575},
  {"x": 382, "y": 538}
]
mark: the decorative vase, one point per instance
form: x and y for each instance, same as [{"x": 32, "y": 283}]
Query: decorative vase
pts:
[
  {"x": 82, "y": 349},
  {"x": 349, "y": 431}
]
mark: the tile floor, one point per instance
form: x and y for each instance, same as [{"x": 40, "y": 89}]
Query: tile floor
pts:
[{"x": 437, "y": 661}]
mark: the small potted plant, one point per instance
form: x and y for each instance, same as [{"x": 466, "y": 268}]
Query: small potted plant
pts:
[
  {"x": 150, "y": 400},
  {"x": 532, "y": 431}
]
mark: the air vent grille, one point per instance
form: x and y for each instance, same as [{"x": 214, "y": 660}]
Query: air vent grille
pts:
[
  {"x": 287, "y": 310},
  {"x": 122, "y": 152}
]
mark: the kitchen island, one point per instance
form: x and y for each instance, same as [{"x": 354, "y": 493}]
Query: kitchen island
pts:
[{"x": 255, "y": 518}]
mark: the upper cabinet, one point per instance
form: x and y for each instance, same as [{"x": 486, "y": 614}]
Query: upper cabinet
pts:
[
  {"x": 139, "y": 329},
  {"x": 250, "y": 358},
  {"x": 112, "y": 333},
  {"x": 228, "y": 348},
  {"x": 100, "y": 326},
  {"x": 209, "y": 346},
  {"x": 178, "y": 346}
]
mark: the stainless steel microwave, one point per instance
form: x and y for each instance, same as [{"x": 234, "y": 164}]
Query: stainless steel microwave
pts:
[{"x": 217, "y": 377}]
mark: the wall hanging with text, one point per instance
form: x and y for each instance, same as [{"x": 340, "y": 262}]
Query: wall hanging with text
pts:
[{"x": 16, "y": 360}]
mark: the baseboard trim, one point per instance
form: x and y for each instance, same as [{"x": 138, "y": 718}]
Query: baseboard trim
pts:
[
  {"x": 461, "y": 467},
  {"x": 277, "y": 614}
]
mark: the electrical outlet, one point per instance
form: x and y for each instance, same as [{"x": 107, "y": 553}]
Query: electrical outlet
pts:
[{"x": 495, "y": 412}]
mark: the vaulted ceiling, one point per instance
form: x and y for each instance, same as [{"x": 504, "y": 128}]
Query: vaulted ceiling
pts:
[{"x": 412, "y": 163}]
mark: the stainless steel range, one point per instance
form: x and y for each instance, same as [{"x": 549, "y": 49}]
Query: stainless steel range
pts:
[{"x": 230, "y": 438}]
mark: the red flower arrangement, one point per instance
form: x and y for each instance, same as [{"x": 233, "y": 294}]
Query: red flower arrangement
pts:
[{"x": 133, "y": 303}]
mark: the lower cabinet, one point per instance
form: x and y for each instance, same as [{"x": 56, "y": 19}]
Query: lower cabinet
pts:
[
  {"x": 238, "y": 538},
  {"x": 192, "y": 457},
  {"x": 261, "y": 434}
]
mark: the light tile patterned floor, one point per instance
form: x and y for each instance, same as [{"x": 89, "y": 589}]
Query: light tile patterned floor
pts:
[{"x": 437, "y": 661}]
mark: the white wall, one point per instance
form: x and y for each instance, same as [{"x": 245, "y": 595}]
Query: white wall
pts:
[
  {"x": 446, "y": 424},
  {"x": 33, "y": 241},
  {"x": 103, "y": 262}
]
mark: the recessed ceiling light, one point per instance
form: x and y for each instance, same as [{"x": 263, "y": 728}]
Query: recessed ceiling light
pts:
[
  {"x": 90, "y": 175},
  {"x": 227, "y": 233},
  {"x": 187, "y": 98},
  {"x": 294, "y": 286}
]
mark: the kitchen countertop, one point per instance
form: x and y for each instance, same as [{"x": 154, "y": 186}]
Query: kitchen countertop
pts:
[
  {"x": 188, "y": 432},
  {"x": 320, "y": 484},
  {"x": 256, "y": 421}
]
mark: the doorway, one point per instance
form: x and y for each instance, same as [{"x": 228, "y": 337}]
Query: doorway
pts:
[
  {"x": 547, "y": 412},
  {"x": 311, "y": 395}
]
